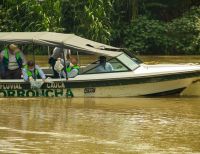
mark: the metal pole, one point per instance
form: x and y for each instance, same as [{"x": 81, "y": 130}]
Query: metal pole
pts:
[
  {"x": 69, "y": 91},
  {"x": 33, "y": 47},
  {"x": 78, "y": 58},
  {"x": 48, "y": 49},
  {"x": 62, "y": 49}
]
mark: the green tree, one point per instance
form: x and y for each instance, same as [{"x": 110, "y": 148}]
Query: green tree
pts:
[
  {"x": 22, "y": 16},
  {"x": 150, "y": 36},
  {"x": 166, "y": 10},
  {"x": 51, "y": 10},
  {"x": 146, "y": 36},
  {"x": 148, "y": 26},
  {"x": 90, "y": 19},
  {"x": 122, "y": 14},
  {"x": 184, "y": 33},
  {"x": 30, "y": 15}
]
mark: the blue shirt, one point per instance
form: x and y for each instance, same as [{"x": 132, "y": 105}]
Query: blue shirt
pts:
[
  {"x": 107, "y": 68},
  {"x": 73, "y": 73},
  {"x": 25, "y": 74}
]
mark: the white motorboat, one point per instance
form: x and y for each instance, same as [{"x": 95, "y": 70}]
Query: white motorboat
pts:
[{"x": 129, "y": 77}]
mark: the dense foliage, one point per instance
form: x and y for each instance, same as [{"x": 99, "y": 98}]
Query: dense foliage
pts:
[
  {"x": 179, "y": 36},
  {"x": 141, "y": 26}
]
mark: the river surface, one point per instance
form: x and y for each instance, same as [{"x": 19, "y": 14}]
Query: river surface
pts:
[
  {"x": 117, "y": 125},
  {"x": 102, "y": 125}
]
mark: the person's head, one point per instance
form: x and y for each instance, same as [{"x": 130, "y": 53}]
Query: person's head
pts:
[
  {"x": 31, "y": 65},
  {"x": 102, "y": 59},
  {"x": 13, "y": 48},
  {"x": 74, "y": 60}
]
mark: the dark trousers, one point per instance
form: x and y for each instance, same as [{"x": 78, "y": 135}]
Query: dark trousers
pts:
[
  {"x": 13, "y": 74},
  {"x": 52, "y": 62},
  {"x": 2, "y": 72}
]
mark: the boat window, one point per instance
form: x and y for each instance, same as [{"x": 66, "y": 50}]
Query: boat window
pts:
[
  {"x": 116, "y": 65},
  {"x": 130, "y": 63}
]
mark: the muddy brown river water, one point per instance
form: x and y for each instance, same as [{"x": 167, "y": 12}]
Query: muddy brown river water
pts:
[{"x": 114, "y": 125}]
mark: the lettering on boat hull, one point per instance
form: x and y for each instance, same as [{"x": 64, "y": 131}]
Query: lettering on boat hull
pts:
[
  {"x": 35, "y": 93},
  {"x": 58, "y": 85},
  {"x": 10, "y": 86},
  {"x": 89, "y": 90}
]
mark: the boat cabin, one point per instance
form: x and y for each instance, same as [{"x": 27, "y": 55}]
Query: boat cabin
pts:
[{"x": 119, "y": 61}]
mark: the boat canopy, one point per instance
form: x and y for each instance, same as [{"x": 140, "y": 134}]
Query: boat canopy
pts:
[{"x": 70, "y": 41}]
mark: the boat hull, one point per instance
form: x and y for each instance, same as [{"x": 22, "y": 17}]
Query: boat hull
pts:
[
  {"x": 131, "y": 90},
  {"x": 129, "y": 87}
]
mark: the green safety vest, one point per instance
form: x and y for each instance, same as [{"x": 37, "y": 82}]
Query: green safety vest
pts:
[
  {"x": 30, "y": 74},
  {"x": 69, "y": 69},
  {"x": 6, "y": 58}
]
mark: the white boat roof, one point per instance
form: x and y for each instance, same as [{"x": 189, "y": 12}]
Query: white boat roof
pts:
[{"x": 70, "y": 41}]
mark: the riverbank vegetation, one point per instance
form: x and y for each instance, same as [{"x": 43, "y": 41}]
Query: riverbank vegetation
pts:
[{"x": 141, "y": 26}]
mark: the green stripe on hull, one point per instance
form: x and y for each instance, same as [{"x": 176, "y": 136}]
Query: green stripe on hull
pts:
[
  {"x": 133, "y": 80},
  {"x": 100, "y": 83}
]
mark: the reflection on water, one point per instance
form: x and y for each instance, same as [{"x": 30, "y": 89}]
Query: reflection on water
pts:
[{"x": 121, "y": 125}]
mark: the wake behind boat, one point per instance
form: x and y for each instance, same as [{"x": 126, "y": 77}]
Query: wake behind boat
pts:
[{"x": 128, "y": 77}]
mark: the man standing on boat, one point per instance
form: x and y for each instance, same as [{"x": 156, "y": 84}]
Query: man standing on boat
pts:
[
  {"x": 32, "y": 71},
  {"x": 12, "y": 60},
  {"x": 57, "y": 53}
]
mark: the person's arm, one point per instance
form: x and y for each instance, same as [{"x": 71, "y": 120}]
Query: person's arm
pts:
[
  {"x": 63, "y": 74},
  {"x": 23, "y": 58},
  {"x": 41, "y": 73},
  {"x": 25, "y": 75},
  {"x": 73, "y": 73}
]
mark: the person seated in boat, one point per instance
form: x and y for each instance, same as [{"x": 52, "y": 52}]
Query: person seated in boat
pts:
[
  {"x": 103, "y": 65},
  {"x": 72, "y": 68},
  {"x": 32, "y": 71},
  {"x": 58, "y": 53},
  {"x": 12, "y": 60}
]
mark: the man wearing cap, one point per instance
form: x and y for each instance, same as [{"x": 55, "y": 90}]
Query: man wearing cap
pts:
[
  {"x": 32, "y": 71},
  {"x": 12, "y": 60}
]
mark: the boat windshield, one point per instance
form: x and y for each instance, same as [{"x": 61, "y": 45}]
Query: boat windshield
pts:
[
  {"x": 122, "y": 63},
  {"x": 126, "y": 60}
]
